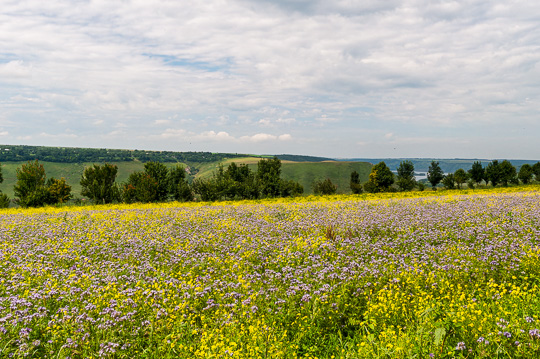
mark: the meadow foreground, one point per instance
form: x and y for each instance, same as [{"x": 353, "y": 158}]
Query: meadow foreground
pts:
[{"x": 342, "y": 277}]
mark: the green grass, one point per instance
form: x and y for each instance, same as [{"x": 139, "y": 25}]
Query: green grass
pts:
[
  {"x": 207, "y": 169},
  {"x": 304, "y": 172},
  {"x": 338, "y": 172},
  {"x": 72, "y": 172}
]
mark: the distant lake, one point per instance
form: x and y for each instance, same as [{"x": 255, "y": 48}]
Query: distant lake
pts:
[{"x": 418, "y": 175}]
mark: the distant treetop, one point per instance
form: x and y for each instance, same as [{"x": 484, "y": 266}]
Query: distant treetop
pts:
[
  {"x": 14, "y": 153},
  {"x": 302, "y": 158}
]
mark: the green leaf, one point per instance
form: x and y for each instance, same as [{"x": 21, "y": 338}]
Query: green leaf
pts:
[{"x": 439, "y": 335}]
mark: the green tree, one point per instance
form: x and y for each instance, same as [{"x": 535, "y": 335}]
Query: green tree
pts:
[
  {"x": 241, "y": 182},
  {"x": 4, "y": 199},
  {"x": 460, "y": 176},
  {"x": 178, "y": 186},
  {"x": 525, "y": 173},
  {"x": 98, "y": 183},
  {"x": 435, "y": 174},
  {"x": 354, "y": 184},
  {"x": 493, "y": 173},
  {"x": 291, "y": 188},
  {"x": 536, "y": 171},
  {"x": 268, "y": 176},
  {"x": 380, "y": 178},
  {"x": 235, "y": 182},
  {"x": 160, "y": 174},
  {"x": 405, "y": 176},
  {"x": 128, "y": 193},
  {"x": 325, "y": 187},
  {"x": 30, "y": 190},
  {"x": 224, "y": 186},
  {"x": 206, "y": 189},
  {"x": 155, "y": 184},
  {"x": 449, "y": 181},
  {"x": 140, "y": 187},
  {"x": 477, "y": 172},
  {"x": 508, "y": 173},
  {"x": 59, "y": 190}
]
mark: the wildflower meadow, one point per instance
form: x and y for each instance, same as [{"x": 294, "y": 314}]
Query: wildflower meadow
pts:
[{"x": 414, "y": 275}]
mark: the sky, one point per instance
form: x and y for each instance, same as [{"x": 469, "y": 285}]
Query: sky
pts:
[{"x": 340, "y": 78}]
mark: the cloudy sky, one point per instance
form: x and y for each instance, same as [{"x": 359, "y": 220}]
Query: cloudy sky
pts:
[{"x": 340, "y": 78}]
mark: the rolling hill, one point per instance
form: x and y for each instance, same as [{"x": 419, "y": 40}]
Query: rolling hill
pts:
[
  {"x": 339, "y": 172},
  {"x": 72, "y": 172}
]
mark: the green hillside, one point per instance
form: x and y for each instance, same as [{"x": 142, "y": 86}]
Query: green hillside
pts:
[
  {"x": 338, "y": 172},
  {"x": 72, "y": 172},
  {"x": 206, "y": 170},
  {"x": 304, "y": 172}
]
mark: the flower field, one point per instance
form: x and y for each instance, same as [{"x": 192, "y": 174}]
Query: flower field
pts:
[{"x": 446, "y": 275}]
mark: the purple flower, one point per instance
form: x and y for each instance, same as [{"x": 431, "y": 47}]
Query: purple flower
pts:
[
  {"x": 461, "y": 346},
  {"x": 24, "y": 333}
]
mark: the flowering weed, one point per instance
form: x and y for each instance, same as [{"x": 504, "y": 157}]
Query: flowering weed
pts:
[{"x": 396, "y": 276}]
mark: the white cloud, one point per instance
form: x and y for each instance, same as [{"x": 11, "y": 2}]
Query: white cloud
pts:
[
  {"x": 285, "y": 137},
  {"x": 173, "y": 133},
  {"x": 15, "y": 70},
  {"x": 59, "y": 136},
  {"x": 215, "y": 136},
  {"x": 325, "y": 119},
  {"x": 259, "y": 137},
  {"x": 244, "y": 66}
]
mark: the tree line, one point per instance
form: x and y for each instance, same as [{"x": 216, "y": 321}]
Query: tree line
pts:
[
  {"x": 382, "y": 179},
  {"x": 12, "y": 153},
  {"x": 156, "y": 183}
]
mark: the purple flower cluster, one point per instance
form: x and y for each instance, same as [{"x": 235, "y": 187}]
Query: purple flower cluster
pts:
[{"x": 82, "y": 275}]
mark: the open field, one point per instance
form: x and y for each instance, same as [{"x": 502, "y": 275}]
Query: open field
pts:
[
  {"x": 72, "y": 172},
  {"x": 420, "y": 274},
  {"x": 305, "y": 172},
  {"x": 207, "y": 169},
  {"x": 339, "y": 173}
]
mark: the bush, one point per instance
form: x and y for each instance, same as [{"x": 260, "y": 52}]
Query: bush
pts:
[
  {"x": 325, "y": 187},
  {"x": 354, "y": 183},
  {"x": 4, "y": 200},
  {"x": 449, "y": 181},
  {"x": 291, "y": 188},
  {"x": 370, "y": 187}
]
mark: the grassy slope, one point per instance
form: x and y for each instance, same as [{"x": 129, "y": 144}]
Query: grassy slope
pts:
[
  {"x": 338, "y": 172},
  {"x": 72, "y": 172},
  {"x": 305, "y": 172},
  {"x": 207, "y": 169}
]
